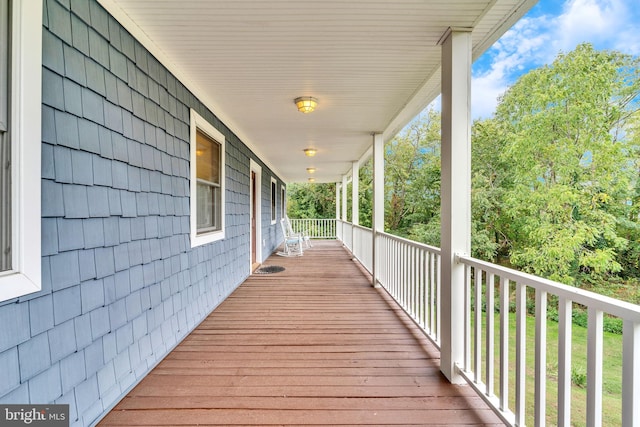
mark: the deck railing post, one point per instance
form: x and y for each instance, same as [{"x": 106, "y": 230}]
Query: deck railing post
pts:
[
  {"x": 355, "y": 205},
  {"x": 355, "y": 208},
  {"x": 455, "y": 192},
  {"x": 378, "y": 203},
  {"x": 338, "y": 200}
]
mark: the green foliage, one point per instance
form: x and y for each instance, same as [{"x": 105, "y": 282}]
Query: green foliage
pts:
[
  {"x": 569, "y": 174},
  {"x": 579, "y": 376},
  {"x": 365, "y": 177},
  {"x": 311, "y": 200},
  {"x": 412, "y": 174}
]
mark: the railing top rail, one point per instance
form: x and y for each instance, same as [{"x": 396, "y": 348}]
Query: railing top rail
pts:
[
  {"x": 361, "y": 227},
  {"x": 429, "y": 248},
  {"x": 621, "y": 309}
]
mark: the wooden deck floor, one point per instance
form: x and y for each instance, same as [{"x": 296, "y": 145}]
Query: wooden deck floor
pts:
[{"x": 312, "y": 345}]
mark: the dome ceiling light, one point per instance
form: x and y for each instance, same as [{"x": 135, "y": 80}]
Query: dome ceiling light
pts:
[{"x": 306, "y": 104}]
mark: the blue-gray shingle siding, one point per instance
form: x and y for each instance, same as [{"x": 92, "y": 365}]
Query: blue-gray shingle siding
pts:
[{"x": 121, "y": 284}]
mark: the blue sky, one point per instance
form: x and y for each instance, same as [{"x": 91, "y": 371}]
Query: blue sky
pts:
[{"x": 550, "y": 27}]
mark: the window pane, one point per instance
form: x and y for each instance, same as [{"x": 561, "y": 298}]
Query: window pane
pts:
[
  {"x": 208, "y": 203},
  {"x": 207, "y": 158},
  {"x": 208, "y": 191},
  {"x": 273, "y": 201}
]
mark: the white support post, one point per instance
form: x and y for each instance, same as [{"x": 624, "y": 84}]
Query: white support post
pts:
[
  {"x": 338, "y": 200},
  {"x": 455, "y": 192},
  {"x": 344, "y": 198},
  {"x": 355, "y": 183},
  {"x": 378, "y": 202},
  {"x": 339, "y": 229}
]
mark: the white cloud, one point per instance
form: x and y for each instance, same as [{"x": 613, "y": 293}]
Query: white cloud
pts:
[
  {"x": 537, "y": 40},
  {"x": 592, "y": 21},
  {"x": 511, "y": 55}
]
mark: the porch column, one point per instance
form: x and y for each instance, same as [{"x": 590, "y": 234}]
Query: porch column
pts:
[
  {"x": 339, "y": 229},
  {"x": 338, "y": 200},
  {"x": 377, "y": 222},
  {"x": 355, "y": 203},
  {"x": 344, "y": 198},
  {"x": 455, "y": 192}
]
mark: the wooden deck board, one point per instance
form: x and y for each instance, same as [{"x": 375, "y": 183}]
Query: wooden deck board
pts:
[{"x": 313, "y": 345}]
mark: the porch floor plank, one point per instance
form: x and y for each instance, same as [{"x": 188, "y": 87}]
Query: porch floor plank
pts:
[{"x": 312, "y": 345}]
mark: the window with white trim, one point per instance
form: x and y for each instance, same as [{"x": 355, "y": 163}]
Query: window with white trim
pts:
[
  {"x": 207, "y": 181},
  {"x": 274, "y": 193},
  {"x": 20, "y": 147}
]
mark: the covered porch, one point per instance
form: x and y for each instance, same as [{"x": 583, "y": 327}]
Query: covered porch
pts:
[{"x": 315, "y": 344}]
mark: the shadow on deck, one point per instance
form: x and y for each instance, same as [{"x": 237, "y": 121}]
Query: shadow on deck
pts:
[{"x": 312, "y": 345}]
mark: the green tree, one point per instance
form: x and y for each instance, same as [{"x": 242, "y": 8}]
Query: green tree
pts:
[
  {"x": 489, "y": 179},
  {"x": 365, "y": 193},
  {"x": 412, "y": 174},
  {"x": 568, "y": 165},
  {"x": 311, "y": 200}
]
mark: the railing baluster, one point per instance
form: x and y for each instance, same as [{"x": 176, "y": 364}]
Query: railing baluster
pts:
[
  {"x": 631, "y": 374},
  {"x": 541, "y": 358},
  {"x": 489, "y": 334},
  {"x": 423, "y": 283},
  {"x": 467, "y": 318},
  {"x": 396, "y": 267},
  {"x": 477, "y": 326},
  {"x": 521, "y": 348},
  {"x": 412, "y": 280},
  {"x": 416, "y": 282},
  {"x": 504, "y": 344},
  {"x": 594, "y": 367},
  {"x": 432, "y": 293},
  {"x": 564, "y": 362},
  {"x": 408, "y": 279},
  {"x": 401, "y": 272},
  {"x": 438, "y": 290}
]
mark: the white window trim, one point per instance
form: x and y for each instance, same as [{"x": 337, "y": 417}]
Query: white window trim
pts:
[
  {"x": 198, "y": 122},
  {"x": 273, "y": 198},
  {"x": 25, "y": 277}
]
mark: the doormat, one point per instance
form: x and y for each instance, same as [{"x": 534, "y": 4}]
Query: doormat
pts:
[{"x": 268, "y": 269}]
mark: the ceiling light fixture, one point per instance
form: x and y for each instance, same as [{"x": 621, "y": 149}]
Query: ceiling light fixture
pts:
[
  {"x": 306, "y": 104},
  {"x": 310, "y": 152},
  {"x": 311, "y": 170}
]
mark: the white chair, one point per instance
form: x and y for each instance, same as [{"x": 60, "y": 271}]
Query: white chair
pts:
[
  {"x": 290, "y": 232},
  {"x": 292, "y": 244}
]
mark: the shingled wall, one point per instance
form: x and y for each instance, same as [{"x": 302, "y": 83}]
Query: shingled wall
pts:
[{"x": 121, "y": 284}]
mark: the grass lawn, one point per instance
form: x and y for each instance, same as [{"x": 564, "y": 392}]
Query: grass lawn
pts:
[{"x": 612, "y": 372}]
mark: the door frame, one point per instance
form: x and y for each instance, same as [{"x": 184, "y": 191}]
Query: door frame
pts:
[{"x": 257, "y": 170}]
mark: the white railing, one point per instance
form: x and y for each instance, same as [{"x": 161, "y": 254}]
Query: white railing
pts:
[
  {"x": 315, "y": 228},
  {"x": 410, "y": 273},
  {"x": 490, "y": 369},
  {"x": 363, "y": 246},
  {"x": 347, "y": 235},
  {"x": 496, "y": 359}
]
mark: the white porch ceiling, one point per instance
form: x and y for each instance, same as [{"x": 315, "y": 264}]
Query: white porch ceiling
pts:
[{"x": 372, "y": 64}]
